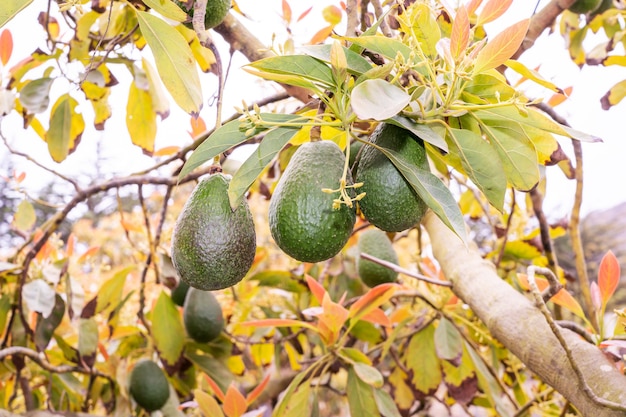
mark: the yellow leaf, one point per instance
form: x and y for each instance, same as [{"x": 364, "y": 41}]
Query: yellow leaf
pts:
[
  {"x": 160, "y": 103},
  {"x": 25, "y": 216},
  {"x": 66, "y": 128},
  {"x": 236, "y": 365},
  {"x": 533, "y": 75},
  {"x": 332, "y": 14},
  {"x": 141, "y": 118},
  {"x": 502, "y": 47},
  {"x": 293, "y": 356},
  {"x": 614, "y": 95},
  {"x": 203, "y": 56},
  {"x": 207, "y": 404},
  {"x": 167, "y": 151}
]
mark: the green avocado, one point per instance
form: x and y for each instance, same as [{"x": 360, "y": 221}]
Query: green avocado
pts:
[
  {"x": 216, "y": 11},
  {"x": 179, "y": 293},
  {"x": 584, "y": 6},
  {"x": 202, "y": 316},
  {"x": 376, "y": 243},
  {"x": 213, "y": 246},
  {"x": 148, "y": 385},
  {"x": 390, "y": 203},
  {"x": 302, "y": 219}
]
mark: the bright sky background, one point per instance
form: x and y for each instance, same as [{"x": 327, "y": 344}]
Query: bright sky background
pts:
[{"x": 605, "y": 183}]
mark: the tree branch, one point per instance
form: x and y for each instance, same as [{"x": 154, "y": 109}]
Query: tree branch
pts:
[{"x": 519, "y": 325}]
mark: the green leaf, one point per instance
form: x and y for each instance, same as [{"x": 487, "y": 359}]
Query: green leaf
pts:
[
  {"x": 288, "y": 79},
  {"x": 258, "y": 160},
  {"x": 87, "y": 337},
  {"x": 10, "y": 8},
  {"x": 279, "y": 279},
  {"x": 304, "y": 66},
  {"x": 360, "y": 396},
  {"x": 421, "y": 358},
  {"x": 488, "y": 88},
  {"x": 46, "y": 326},
  {"x": 481, "y": 164},
  {"x": 424, "y": 27},
  {"x": 368, "y": 374},
  {"x": 387, "y": 47},
  {"x": 281, "y": 407},
  {"x": 448, "y": 341},
  {"x": 517, "y": 153},
  {"x": 214, "y": 368},
  {"x": 25, "y": 216},
  {"x": 167, "y": 329},
  {"x": 35, "y": 94},
  {"x": 385, "y": 403},
  {"x": 298, "y": 404},
  {"x": 110, "y": 293},
  {"x": 378, "y": 99},
  {"x": 357, "y": 65},
  {"x": 225, "y": 137},
  {"x": 69, "y": 353},
  {"x": 66, "y": 128},
  {"x": 5, "y": 307},
  {"x": 174, "y": 61},
  {"x": 432, "y": 190},
  {"x": 422, "y": 131}
]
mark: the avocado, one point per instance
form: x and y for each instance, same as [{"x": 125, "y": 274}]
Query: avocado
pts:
[
  {"x": 584, "y": 6},
  {"x": 390, "y": 203},
  {"x": 202, "y": 316},
  {"x": 213, "y": 246},
  {"x": 376, "y": 243},
  {"x": 179, "y": 292},
  {"x": 302, "y": 219},
  {"x": 216, "y": 11},
  {"x": 148, "y": 385}
]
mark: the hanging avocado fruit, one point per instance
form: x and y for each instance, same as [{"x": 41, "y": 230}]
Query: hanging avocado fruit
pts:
[
  {"x": 216, "y": 11},
  {"x": 202, "y": 316},
  {"x": 390, "y": 203},
  {"x": 213, "y": 246},
  {"x": 375, "y": 242},
  {"x": 148, "y": 385},
  {"x": 302, "y": 219}
]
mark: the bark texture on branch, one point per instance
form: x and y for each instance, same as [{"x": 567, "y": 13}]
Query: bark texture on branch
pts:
[{"x": 518, "y": 324}]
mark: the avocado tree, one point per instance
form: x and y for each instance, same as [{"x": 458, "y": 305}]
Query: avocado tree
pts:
[{"x": 380, "y": 249}]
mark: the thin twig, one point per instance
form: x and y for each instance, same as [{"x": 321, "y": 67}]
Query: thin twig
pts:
[
  {"x": 353, "y": 17},
  {"x": 505, "y": 237},
  {"x": 403, "y": 271},
  {"x": 554, "y": 286},
  {"x": 380, "y": 13},
  {"x": 570, "y": 357}
]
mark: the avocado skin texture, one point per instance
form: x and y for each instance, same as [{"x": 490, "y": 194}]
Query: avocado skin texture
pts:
[
  {"x": 301, "y": 216},
  {"x": 390, "y": 203},
  {"x": 376, "y": 243},
  {"x": 148, "y": 385},
  {"x": 213, "y": 247},
  {"x": 216, "y": 11},
  {"x": 202, "y": 316}
]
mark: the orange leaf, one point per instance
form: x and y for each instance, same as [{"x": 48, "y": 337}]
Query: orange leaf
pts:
[
  {"x": 316, "y": 288},
  {"x": 335, "y": 315},
  {"x": 377, "y": 316},
  {"x": 306, "y": 12},
  {"x": 608, "y": 276},
  {"x": 459, "y": 38},
  {"x": 279, "y": 323},
  {"x": 6, "y": 46},
  {"x": 400, "y": 314},
  {"x": 234, "y": 402},
  {"x": 565, "y": 300},
  {"x": 69, "y": 247},
  {"x": 332, "y": 14},
  {"x": 167, "y": 151},
  {"x": 286, "y": 12},
  {"x": 254, "y": 394},
  {"x": 216, "y": 389},
  {"x": 542, "y": 283},
  {"x": 493, "y": 10},
  {"x": 19, "y": 177},
  {"x": 473, "y": 5},
  {"x": 372, "y": 299},
  {"x": 502, "y": 47},
  {"x": 197, "y": 126},
  {"x": 88, "y": 253},
  {"x": 559, "y": 98},
  {"x": 321, "y": 35}
]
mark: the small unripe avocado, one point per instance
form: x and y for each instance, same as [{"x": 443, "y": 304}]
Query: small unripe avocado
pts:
[
  {"x": 584, "y": 6},
  {"x": 148, "y": 385},
  {"x": 179, "y": 292},
  {"x": 216, "y": 11},
  {"x": 213, "y": 246},
  {"x": 302, "y": 219},
  {"x": 202, "y": 316},
  {"x": 376, "y": 243},
  {"x": 390, "y": 203}
]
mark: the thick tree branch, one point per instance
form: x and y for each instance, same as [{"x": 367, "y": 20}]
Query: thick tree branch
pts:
[{"x": 519, "y": 325}]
